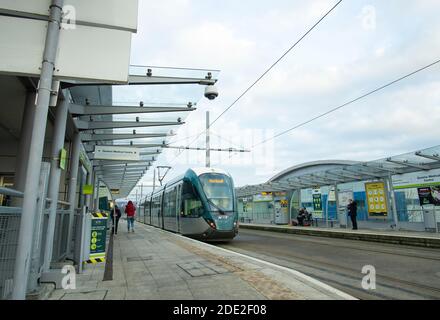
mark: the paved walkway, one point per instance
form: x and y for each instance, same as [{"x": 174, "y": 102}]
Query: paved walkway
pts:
[{"x": 154, "y": 264}]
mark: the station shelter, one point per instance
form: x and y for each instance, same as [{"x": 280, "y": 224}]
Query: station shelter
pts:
[{"x": 399, "y": 192}]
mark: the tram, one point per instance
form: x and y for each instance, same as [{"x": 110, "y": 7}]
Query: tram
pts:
[{"x": 200, "y": 204}]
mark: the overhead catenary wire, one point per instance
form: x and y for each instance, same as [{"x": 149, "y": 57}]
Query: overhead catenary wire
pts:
[
  {"x": 264, "y": 73},
  {"x": 346, "y": 103}
]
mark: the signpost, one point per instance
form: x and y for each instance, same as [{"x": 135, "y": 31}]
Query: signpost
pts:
[{"x": 98, "y": 237}]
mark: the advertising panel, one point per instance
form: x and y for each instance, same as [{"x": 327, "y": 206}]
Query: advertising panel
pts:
[
  {"x": 376, "y": 199},
  {"x": 429, "y": 195},
  {"x": 263, "y": 196}
]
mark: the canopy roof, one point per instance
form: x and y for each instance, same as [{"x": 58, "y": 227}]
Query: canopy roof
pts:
[
  {"x": 143, "y": 113},
  {"x": 333, "y": 172}
]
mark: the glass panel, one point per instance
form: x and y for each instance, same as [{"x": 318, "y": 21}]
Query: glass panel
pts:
[
  {"x": 218, "y": 189},
  {"x": 192, "y": 206}
]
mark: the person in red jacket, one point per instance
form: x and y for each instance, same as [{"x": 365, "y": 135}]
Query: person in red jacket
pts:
[{"x": 130, "y": 210}]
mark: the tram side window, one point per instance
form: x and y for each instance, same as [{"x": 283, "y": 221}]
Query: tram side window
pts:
[{"x": 192, "y": 206}]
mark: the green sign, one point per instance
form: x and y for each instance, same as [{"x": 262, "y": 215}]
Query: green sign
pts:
[
  {"x": 103, "y": 204},
  {"x": 98, "y": 236},
  {"x": 317, "y": 202},
  {"x": 63, "y": 158}
]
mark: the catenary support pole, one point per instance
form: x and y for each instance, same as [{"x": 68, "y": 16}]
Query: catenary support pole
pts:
[
  {"x": 208, "y": 151},
  {"x": 74, "y": 165},
  {"x": 23, "y": 259},
  {"x": 54, "y": 178}
]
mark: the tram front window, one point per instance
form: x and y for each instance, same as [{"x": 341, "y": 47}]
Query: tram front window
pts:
[{"x": 218, "y": 189}]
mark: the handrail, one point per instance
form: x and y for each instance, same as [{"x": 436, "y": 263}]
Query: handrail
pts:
[
  {"x": 64, "y": 203},
  {"x": 11, "y": 192}
]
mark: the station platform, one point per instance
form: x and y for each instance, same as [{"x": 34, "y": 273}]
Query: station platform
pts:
[
  {"x": 152, "y": 264},
  {"x": 409, "y": 238}
]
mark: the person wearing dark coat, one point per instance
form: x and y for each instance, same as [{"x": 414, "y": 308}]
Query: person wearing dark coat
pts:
[
  {"x": 302, "y": 215},
  {"x": 117, "y": 213},
  {"x": 352, "y": 213}
]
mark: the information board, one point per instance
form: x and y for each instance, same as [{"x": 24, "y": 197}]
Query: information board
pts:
[
  {"x": 317, "y": 205},
  {"x": 98, "y": 235},
  {"x": 376, "y": 199}
]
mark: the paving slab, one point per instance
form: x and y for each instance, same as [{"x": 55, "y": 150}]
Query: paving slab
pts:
[{"x": 156, "y": 264}]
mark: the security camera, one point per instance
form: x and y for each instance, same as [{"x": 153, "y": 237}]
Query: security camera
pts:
[{"x": 211, "y": 92}]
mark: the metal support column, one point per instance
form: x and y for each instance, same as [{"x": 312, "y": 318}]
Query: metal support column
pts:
[
  {"x": 208, "y": 151},
  {"x": 74, "y": 165},
  {"x": 24, "y": 145},
  {"x": 392, "y": 200},
  {"x": 54, "y": 178},
  {"x": 23, "y": 258},
  {"x": 96, "y": 199}
]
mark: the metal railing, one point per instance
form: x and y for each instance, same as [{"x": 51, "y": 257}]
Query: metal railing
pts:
[
  {"x": 10, "y": 218},
  {"x": 9, "y": 229}
]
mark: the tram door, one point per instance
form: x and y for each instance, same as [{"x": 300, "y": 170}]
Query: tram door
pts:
[
  {"x": 161, "y": 211},
  {"x": 178, "y": 206}
]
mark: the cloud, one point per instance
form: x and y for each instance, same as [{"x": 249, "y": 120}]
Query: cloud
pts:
[{"x": 337, "y": 62}]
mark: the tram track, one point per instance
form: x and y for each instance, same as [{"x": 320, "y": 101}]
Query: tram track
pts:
[{"x": 335, "y": 271}]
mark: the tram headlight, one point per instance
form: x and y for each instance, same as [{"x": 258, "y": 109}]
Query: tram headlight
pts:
[{"x": 211, "y": 223}]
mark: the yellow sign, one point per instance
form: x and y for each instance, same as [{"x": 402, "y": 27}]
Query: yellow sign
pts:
[
  {"x": 376, "y": 199},
  {"x": 216, "y": 181},
  {"x": 88, "y": 189}
]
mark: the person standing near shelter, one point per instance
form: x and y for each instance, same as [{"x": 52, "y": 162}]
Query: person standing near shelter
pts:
[
  {"x": 130, "y": 210},
  {"x": 352, "y": 212},
  {"x": 116, "y": 213}
]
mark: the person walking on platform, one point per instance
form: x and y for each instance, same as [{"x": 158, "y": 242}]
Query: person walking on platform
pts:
[
  {"x": 130, "y": 210},
  {"x": 115, "y": 214},
  {"x": 352, "y": 212}
]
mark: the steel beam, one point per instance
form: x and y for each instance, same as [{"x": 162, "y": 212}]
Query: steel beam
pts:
[
  {"x": 409, "y": 164},
  {"x": 89, "y": 110},
  {"x": 142, "y": 80},
  {"x": 89, "y": 137},
  {"x": 92, "y": 125},
  {"x": 435, "y": 156},
  {"x": 119, "y": 162},
  {"x": 382, "y": 168}
]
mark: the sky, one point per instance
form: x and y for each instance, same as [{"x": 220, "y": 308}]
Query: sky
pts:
[{"x": 359, "y": 46}]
